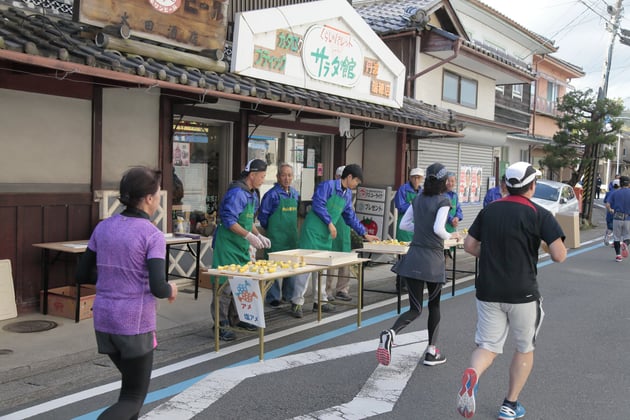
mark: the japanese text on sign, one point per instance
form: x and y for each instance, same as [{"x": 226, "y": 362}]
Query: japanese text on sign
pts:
[
  {"x": 370, "y": 207},
  {"x": 247, "y": 299},
  {"x": 331, "y": 55},
  {"x": 372, "y": 194}
]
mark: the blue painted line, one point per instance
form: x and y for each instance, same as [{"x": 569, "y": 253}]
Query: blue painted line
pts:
[{"x": 179, "y": 387}]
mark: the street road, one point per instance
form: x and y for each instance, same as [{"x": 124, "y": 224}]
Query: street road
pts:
[{"x": 329, "y": 370}]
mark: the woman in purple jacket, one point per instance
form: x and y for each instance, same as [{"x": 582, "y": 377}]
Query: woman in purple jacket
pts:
[{"x": 129, "y": 255}]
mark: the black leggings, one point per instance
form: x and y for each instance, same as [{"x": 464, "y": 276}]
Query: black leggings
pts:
[
  {"x": 416, "y": 291},
  {"x": 136, "y": 375}
]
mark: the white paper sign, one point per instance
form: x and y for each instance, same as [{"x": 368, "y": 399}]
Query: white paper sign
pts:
[{"x": 248, "y": 300}]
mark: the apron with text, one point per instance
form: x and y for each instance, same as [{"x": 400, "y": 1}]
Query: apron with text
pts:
[{"x": 282, "y": 226}]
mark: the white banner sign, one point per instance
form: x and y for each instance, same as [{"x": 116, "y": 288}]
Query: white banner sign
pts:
[{"x": 248, "y": 300}]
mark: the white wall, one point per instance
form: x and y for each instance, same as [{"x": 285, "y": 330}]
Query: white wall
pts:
[
  {"x": 130, "y": 131},
  {"x": 44, "y": 139},
  {"x": 429, "y": 88}
]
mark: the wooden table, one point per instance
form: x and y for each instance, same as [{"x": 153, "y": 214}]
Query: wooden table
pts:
[
  {"x": 78, "y": 247},
  {"x": 400, "y": 250},
  {"x": 265, "y": 282}
]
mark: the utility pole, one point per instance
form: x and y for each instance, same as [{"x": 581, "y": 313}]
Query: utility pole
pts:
[{"x": 591, "y": 173}]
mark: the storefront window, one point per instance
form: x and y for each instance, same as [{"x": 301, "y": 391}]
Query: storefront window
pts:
[
  {"x": 196, "y": 172},
  {"x": 304, "y": 152}
]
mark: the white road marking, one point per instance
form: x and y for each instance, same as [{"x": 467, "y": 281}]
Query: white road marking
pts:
[{"x": 378, "y": 395}]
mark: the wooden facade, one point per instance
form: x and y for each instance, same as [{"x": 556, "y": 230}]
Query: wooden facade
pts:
[{"x": 512, "y": 110}]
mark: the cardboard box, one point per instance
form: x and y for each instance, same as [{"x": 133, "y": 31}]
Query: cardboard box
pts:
[
  {"x": 62, "y": 301},
  {"x": 570, "y": 224},
  {"x": 204, "y": 280}
]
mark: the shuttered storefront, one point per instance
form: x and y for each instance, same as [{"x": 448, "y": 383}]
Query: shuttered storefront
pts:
[{"x": 454, "y": 156}]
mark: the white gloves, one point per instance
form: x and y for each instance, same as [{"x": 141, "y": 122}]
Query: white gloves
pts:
[
  {"x": 265, "y": 241},
  {"x": 254, "y": 240}
]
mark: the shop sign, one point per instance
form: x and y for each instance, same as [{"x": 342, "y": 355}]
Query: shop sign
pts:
[
  {"x": 323, "y": 46},
  {"x": 192, "y": 24}
]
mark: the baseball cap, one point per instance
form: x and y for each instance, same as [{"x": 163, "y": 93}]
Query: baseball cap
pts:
[
  {"x": 255, "y": 165},
  {"x": 438, "y": 171},
  {"x": 416, "y": 172},
  {"x": 624, "y": 181},
  {"x": 339, "y": 170},
  {"x": 520, "y": 174},
  {"x": 354, "y": 170}
]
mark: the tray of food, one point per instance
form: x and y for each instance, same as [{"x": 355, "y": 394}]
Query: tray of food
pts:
[
  {"x": 386, "y": 245},
  {"x": 260, "y": 267}
]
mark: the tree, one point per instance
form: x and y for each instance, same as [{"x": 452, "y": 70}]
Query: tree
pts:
[{"x": 585, "y": 124}]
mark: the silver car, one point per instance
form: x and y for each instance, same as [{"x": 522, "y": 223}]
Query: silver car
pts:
[{"x": 555, "y": 197}]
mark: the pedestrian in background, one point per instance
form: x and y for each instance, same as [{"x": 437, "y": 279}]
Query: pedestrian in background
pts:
[
  {"x": 235, "y": 234},
  {"x": 496, "y": 193},
  {"x": 403, "y": 199},
  {"x": 278, "y": 216},
  {"x": 608, "y": 236},
  {"x": 128, "y": 254},
  {"x": 505, "y": 236},
  {"x": 423, "y": 264},
  {"x": 619, "y": 206}
]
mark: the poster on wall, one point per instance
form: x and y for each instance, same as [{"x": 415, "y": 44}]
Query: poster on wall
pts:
[
  {"x": 181, "y": 154},
  {"x": 469, "y": 190}
]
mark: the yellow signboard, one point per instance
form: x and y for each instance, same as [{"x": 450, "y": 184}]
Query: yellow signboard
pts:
[{"x": 193, "y": 24}]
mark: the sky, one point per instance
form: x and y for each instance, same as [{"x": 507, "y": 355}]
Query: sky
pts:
[{"x": 579, "y": 31}]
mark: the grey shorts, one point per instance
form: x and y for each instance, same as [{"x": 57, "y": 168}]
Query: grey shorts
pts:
[
  {"x": 495, "y": 320},
  {"x": 621, "y": 230},
  {"x": 128, "y": 346}
]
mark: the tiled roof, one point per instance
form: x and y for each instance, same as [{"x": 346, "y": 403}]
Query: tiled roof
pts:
[
  {"x": 391, "y": 16},
  {"x": 61, "y": 39}
]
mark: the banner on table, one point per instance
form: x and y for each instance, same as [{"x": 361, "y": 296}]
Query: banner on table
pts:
[{"x": 248, "y": 300}]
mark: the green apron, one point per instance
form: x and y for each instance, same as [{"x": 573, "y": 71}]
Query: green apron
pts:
[
  {"x": 452, "y": 212},
  {"x": 231, "y": 248},
  {"x": 315, "y": 234},
  {"x": 282, "y": 226},
  {"x": 403, "y": 235},
  {"x": 342, "y": 242}
]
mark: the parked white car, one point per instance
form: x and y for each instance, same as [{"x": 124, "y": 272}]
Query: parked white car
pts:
[{"x": 555, "y": 197}]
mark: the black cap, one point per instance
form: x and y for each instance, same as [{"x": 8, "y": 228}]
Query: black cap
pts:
[
  {"x": 354, "y": 170},
  {"x": 255, "y": 165},
  {"x": 437, "y": 171},
  {"x": 624, "y": 181}
]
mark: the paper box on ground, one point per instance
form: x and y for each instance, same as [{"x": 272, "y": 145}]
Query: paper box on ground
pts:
[
  {"x": 62, "y": 301},
  {"x": 570, "y": 224}
]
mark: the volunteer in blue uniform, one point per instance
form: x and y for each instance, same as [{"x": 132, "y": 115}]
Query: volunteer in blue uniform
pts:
[
  {"x": 403, "y": 199},
  {"x": 332, "y": 199}
]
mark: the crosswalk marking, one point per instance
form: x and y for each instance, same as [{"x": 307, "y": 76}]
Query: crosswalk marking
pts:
[{"x": 378, "y": 395}]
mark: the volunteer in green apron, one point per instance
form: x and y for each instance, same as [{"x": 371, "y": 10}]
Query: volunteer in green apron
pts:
[
  {"x": 403, "y": 199},
  {"x": 236, "y": 233},
  {"x": 332, "y": 200},
  {"x": 278, "y": 216},
  {"x": 455, "y": 214},
  {"x": 342, "y": 243}
]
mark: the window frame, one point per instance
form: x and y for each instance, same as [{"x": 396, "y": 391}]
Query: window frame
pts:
[{"x": 460, "y": 81}]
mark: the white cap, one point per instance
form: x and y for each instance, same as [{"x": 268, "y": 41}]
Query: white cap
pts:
[
  {"x": 339, "y": 171},
  {"x": 520, "y": 174},
  {"x": 416, "y": 172}
]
